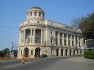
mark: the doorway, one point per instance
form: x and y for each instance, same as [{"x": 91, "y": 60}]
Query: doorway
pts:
[
  {"x": 57, "y": 52},
  {"x": 26, "y": 52},
  {"x": 37, "y": 52},
  {"x": 61, "y": 52}
]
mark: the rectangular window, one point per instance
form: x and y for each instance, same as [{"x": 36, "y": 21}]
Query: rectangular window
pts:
[
  {"x": 56, "y": 41},
  {"x": 68, "y": 42},
  {"x": 51, "y": 32},
  {"x": 31, "y": 13},
  {"x": 68, "y": 36},
  {"x": 60, "y": 35},
  {"x": 39, "y": 14},
  {"x": 72, "y": 43},
  {"x": 72, "y": 37},
  {"x": 79, "y": 44},
  {"x": 64, "y": 36},
  {"x": 60, "y": 41},
  {"x": 35, "y": 13},
  {"x": 51, "y": 41},
  {"x": 65, "y": 42},
  {"x": 56, "y": 34},
  {"x": 31, "y": 52},
  {"x": 38, "y": 36}
]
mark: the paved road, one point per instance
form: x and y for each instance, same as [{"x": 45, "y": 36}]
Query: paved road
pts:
[{"x": 57, "y": 63}]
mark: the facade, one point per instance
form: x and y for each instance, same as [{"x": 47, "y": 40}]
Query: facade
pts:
[{"x": 39, "y": 36}]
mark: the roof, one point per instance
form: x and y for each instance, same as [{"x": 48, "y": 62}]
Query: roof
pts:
[{"x": 36, "y": 7}]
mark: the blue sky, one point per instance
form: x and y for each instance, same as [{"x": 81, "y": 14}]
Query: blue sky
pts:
[{"x": 13, "y": 12}]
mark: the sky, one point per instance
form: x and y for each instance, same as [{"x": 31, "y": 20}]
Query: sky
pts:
[{"x": 13, "y": 13}]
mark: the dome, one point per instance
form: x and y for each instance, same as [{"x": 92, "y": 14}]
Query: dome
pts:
[
  {"x": 35, "y": 13},
  {"x": 36, "y": 8}
]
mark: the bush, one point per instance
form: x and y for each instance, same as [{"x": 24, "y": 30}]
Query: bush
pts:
[
  {"x": 1, "y": 54},
  {"x": 89, "y": 54}
]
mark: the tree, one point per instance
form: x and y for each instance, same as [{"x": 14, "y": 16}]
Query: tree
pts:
[
  {"x": 87, "y": 26},
  {"x": 6, "y": 52},
  {"x": 1, "y": 54}
]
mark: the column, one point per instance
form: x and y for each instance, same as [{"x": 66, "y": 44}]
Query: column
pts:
[
  {"x": 59, "y": 51},
  {"x": 58, "y": 38},
  {"x": 66, "y": 39},
  {"x": 41, "y": 35},
  {"x": 74, "y": 41},
  {"x": 33, "y": 14},
  {"x": 77, "y": 41},
  {"x": 68, "y": 52},
  {"x": 64, "y": 52},
  {"x": 24, "y": 37},
  {"x": 33, "y": 35},
  {"x": 70, "y": 40},
  {"x": 63, "y": 39},
  {"x": 30, "y": 36}
]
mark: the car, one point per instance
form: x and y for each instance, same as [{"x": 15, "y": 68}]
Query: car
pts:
[{"x": 43, "y": 56}]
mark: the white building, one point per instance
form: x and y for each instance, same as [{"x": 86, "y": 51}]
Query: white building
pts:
[{"x": 39, "y": 36}]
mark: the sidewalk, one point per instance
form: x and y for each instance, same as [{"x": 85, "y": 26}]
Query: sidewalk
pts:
[{"x": 81, "y": 59}]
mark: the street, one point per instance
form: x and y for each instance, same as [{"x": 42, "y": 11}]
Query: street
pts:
[{"x": 56, "y": 63}]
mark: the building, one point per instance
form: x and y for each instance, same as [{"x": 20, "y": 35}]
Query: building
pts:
[{"x": 39, "y": 36}]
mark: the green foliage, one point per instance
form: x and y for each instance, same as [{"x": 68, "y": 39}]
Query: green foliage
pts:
[
  {"x": 5, "y": 52},
  {"x": 87, "y": 26},
  {"x": 89, "y": 54},
  {"x": 1, "y": 54}
]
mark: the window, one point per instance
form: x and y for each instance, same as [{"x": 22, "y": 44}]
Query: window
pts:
[
  {"x": 69, "y": 36},
  {"x": 51, "y": 32},
  {"x": 68, "y": 42},
  {"x": 31, "y": 13},
  {"x": 64, "y": 36},
  {"x": 72, "y": 43},
  {"x": 32, "y": 31},
  {"x": 39, "y": 14},
  {"x": 56, "y": 41},
  {"x": 60, "y": 35},
  {"x": 56, "y": 34},
  {"x": 31, "y": 52},
  {"x": 65, "y": 42},
  {"x": 79, "y": 44},
  {"x": 72, "y": 37},
  {"x": 60, "y": 41},
  {"x": 35, "y": 13},
  {"x": 38, "y": 36},
  {"x": 51, "y": 41}
]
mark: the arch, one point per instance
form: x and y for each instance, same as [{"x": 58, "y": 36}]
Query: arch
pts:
[
  {"x": 66, "y": 52},
  {"x": 37, "y": 52},
  {"x": 61, "y": 52},
  {"x": 73, "y": 52},
  {"x": 57, "y": 52},
  {"x": 70, "y": 52},
  {"x": 26, "y": 52}
]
